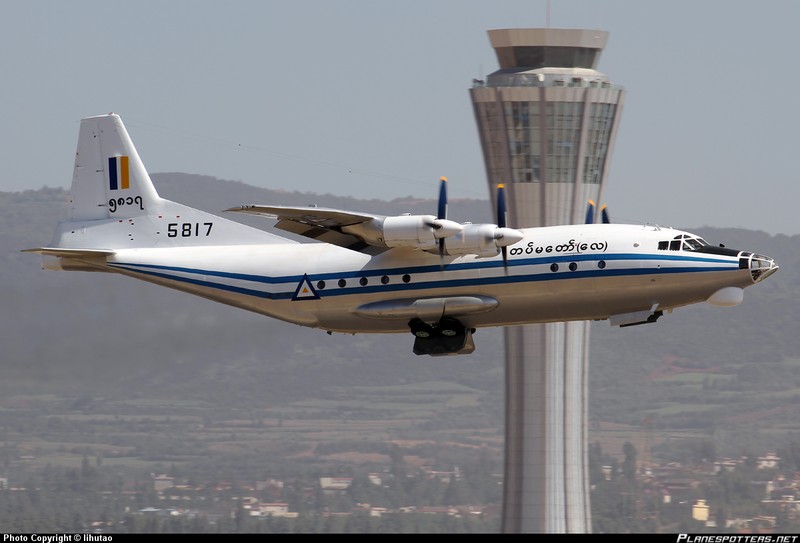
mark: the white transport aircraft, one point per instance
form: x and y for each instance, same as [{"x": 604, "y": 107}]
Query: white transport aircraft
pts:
[{"x": 421, "y": 274}]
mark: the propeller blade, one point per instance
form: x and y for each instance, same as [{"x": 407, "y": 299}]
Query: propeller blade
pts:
[
  {"x": 502, "y": 219},
  {"x": 501, "y": 206},
  {"x": 604, "y": 213},
  {"x": 590, "y": 212},
  {"x": 442, "y": 213}
]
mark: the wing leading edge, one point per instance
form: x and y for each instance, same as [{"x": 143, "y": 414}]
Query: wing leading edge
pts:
[{"x": 320, "y": 224}]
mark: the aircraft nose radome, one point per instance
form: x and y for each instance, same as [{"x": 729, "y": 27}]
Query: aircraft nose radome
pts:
[{"x": 762, "y": 267}]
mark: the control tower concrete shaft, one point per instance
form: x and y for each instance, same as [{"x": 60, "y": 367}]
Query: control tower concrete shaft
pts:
[{"x": 547, "y": 121}]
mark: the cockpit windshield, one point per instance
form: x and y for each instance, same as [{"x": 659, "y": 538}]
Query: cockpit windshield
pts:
[
  {"x": 694, "y": 243},
  {"x": 683, "y": 242}
]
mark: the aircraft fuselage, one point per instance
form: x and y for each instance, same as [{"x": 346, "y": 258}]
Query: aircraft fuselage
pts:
[{"x": 561, "y": 273}]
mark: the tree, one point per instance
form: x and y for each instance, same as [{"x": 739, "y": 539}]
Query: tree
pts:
[
  {"x": 629, "y": 463},
  {"x": 595, "y": 463}
]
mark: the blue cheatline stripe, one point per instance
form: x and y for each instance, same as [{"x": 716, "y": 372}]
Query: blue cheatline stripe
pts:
[
  {"x": 292, "y": 280},
  {"x": 219, "y": 286},
  {"x": 112, "y": 173},
  {"x": 228, "y": 275}
]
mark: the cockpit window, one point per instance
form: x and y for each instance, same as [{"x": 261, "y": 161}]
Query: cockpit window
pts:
[
  {"x": 692, "y": 244},
  {"x": 682, "y": 241}
]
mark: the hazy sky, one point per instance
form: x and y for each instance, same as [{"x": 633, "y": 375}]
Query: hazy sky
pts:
[{"x": 370, "y": 98}]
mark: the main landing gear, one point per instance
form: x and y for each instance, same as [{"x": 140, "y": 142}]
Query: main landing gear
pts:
[{"x": 448, "y": 336}]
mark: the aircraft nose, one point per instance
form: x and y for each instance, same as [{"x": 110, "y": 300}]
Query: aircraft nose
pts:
[{"x": 761, "y": 267}]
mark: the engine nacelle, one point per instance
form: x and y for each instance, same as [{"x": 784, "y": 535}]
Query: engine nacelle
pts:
[
  {"x": 482, "y": 240},
  {"x": 418, "y": 231}
]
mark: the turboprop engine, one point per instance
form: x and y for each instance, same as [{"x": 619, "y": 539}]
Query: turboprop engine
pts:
[
  {"x": 418, "y": 231},
  {"x": 481, "y": 239}
]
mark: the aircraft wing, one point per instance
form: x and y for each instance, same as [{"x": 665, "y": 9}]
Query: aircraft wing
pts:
[{"x": 318, "y": 223}]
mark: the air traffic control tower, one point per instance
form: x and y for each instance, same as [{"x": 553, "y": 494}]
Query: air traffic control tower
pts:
[{"x": 547, "y": 121}]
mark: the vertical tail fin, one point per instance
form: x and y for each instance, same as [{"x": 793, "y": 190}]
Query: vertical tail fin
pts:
[
  {"x": 109, "y": 179},
  {"x": 114, "y": 204}
]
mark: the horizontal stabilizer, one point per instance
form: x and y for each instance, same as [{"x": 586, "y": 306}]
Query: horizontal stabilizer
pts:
[
  {"x": 70, "y": 253},
  {"x": 62, "y": 259}
]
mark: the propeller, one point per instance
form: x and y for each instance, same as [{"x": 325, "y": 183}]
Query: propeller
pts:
[
  {"x": 503, "y": 235},
  {"x": 604, "y": 215},
  {"x": 472, "y": 239},
  {"x": 443, "y": 228}
]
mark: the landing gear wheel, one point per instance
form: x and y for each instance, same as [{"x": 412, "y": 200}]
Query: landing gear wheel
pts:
[
  {"x": 451, "y": 327},
  {"x": 421, "y": 329}
]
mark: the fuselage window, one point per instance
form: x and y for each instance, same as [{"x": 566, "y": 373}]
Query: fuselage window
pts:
[
  {"x": 342, "y": 282},
  {"x": 406, "y": 278},
  {"x": 320, "y": 285},
  {"x": 363, "y": 281},
  {"x": 385, "y": 279}
]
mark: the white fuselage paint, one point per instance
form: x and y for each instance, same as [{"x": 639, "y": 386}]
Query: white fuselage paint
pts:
[{"x": 618, "y": 269}]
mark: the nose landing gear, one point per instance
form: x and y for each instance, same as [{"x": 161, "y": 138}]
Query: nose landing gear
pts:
[{"x": 448, "y": 336}]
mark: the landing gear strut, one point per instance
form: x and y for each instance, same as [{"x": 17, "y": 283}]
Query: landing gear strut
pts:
[{"x": 448, "y": 336}]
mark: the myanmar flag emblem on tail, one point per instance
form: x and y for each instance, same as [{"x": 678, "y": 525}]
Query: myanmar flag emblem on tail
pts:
[{"x": 118, "y": 173}]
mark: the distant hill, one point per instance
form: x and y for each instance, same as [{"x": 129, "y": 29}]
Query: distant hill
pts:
[{"x": 727, "y": 370}]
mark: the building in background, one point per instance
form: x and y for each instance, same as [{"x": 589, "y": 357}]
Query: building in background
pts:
[{"x": 547, "y": 121}]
